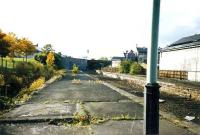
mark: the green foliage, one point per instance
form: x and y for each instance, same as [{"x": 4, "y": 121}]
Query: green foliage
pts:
[
  {"x": 58, "y": 61},
  {"x": 75, "y": 69},
  {"x": 47, "y": 48},
  {"x": 125, "y": 66},
  {"x": 103, "y": 58},
  {"x": 28, "y": 69},
  {"x": 4, "y": 47},
  {"x": 97, "y": 64},
  {"x": 4, "y": 102},
  {"x": 2, "y": 82},
  {"x": 41, "y": 57},
  {"x": 136, "y": 69},
  {"x": 47, "y": 72}
]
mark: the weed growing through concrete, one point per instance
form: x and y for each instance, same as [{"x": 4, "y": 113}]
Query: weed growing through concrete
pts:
[{"x": 76, "y": 81}]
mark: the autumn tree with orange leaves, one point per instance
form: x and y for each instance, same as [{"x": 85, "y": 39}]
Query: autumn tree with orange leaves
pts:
[{"x": 26, "y": 47}]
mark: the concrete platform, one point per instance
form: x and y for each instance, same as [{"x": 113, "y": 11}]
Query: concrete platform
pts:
[
  {"x": 135, "y": 128},
  {"x": 42, "y": 129},
  {"x": 42, "y": 111},
  {"x": 115, "y": 109}
]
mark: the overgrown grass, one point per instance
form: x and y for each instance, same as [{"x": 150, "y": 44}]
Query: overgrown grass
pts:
[
  {"x": 15, "y": 60},
  {"x": 25, "y": 94}
]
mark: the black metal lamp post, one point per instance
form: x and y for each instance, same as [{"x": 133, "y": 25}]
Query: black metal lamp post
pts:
[{"x": 151, "y": 92}]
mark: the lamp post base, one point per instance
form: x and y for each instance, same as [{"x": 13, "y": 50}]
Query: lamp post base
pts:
[{"x": 151, "y": 109}]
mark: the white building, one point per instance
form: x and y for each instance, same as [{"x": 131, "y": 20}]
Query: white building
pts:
[
  {"x": 116, "y": 61},
  {"x": 183, "y": 55}
]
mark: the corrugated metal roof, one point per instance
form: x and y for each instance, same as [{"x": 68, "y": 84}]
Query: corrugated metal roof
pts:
[{"x": 188, "y": 39}]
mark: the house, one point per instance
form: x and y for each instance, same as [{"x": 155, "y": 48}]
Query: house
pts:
[
  {"x": 141, "y": 53},
  {"x": 130, "y": 55},
  {"x": 183, "y": 56},
  {"x": 116, "y": 61}
]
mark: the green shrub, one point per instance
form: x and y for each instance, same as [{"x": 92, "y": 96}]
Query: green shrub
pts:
[
  {"x": 14, "y": 83},
  {"x": 41, "y": 57},
  {"x": 2, "y": 82},
  {"x": 125, "y": 66},
  {"x": 58, "y": 61},
  {"x": 47, "y": 72},
  {"x": 29, "y": 70},
  {"x": 75, "y": 69},
  {"x": 4, "y": 102},
  {"x": 137, "y": 69},
  {"x": 97, "y": 64}
]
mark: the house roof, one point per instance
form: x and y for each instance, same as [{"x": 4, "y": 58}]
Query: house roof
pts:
[
  {"x": 142, "y": 49},
  {"x": 188, "y": 39},
  {"x": 183, "y": 43},
  {"x": 117, "y": 58}
]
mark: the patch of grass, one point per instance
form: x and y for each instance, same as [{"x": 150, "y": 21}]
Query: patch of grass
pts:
[
  {"x": 25, "y": 94},
  {"x": 15, "y": 60}
]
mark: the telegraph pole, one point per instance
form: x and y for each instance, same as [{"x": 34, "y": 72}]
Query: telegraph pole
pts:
[{"x": 151, "y": 92}]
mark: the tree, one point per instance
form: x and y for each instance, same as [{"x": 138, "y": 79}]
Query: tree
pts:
[
  {"x": 11, "y": 40},
  {"x": 4, "y": 45},
  {"x": 103, "y": 58},
  {"x": 47, "y": 48},
  {"x": 58, "y": 61},
  {"x": 41, "y": 57},
  {"x": 50, "y": 59},
  {"x": 26, "y": 47}
]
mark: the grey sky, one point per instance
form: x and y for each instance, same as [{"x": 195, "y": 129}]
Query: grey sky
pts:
[{"x": 105, "y": 27}]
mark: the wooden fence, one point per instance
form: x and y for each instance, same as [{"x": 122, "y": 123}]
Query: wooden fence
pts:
[{"x": 182, "y": 75}]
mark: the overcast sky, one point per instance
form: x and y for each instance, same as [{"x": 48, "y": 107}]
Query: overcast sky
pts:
[{"x": 105, "y": 27}]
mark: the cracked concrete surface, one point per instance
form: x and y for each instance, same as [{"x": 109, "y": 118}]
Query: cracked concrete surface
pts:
[{"x": 63, "y": 99}]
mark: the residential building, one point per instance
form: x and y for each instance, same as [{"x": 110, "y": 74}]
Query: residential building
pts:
[
  {"x": 141, "y": 53},
  {"x": 182, "y": 55}
]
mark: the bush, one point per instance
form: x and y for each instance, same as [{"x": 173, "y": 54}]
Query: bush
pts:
[
  {"x": 58, "y": 61},
  {"x": 2, "y": 82},
  {"x": 97, "y": 64},
  {"x": 125, "y": 66},
  {"x": 41, "y": 57},
  {"x": 29, "y": 70},
  {"x": 4, "y": 102},
  {"x": 47, "y": 72},
  {"x": 137, "y": 69},
  {"x": 24, "y": 94},
  {"x": 75, "y": 69},
  {"x": 37, "y": 84}
]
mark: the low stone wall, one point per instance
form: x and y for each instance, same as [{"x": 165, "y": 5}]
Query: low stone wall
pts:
[
  {"x": 69, "y": 62},
  {"x": 171, "y": 88}
]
